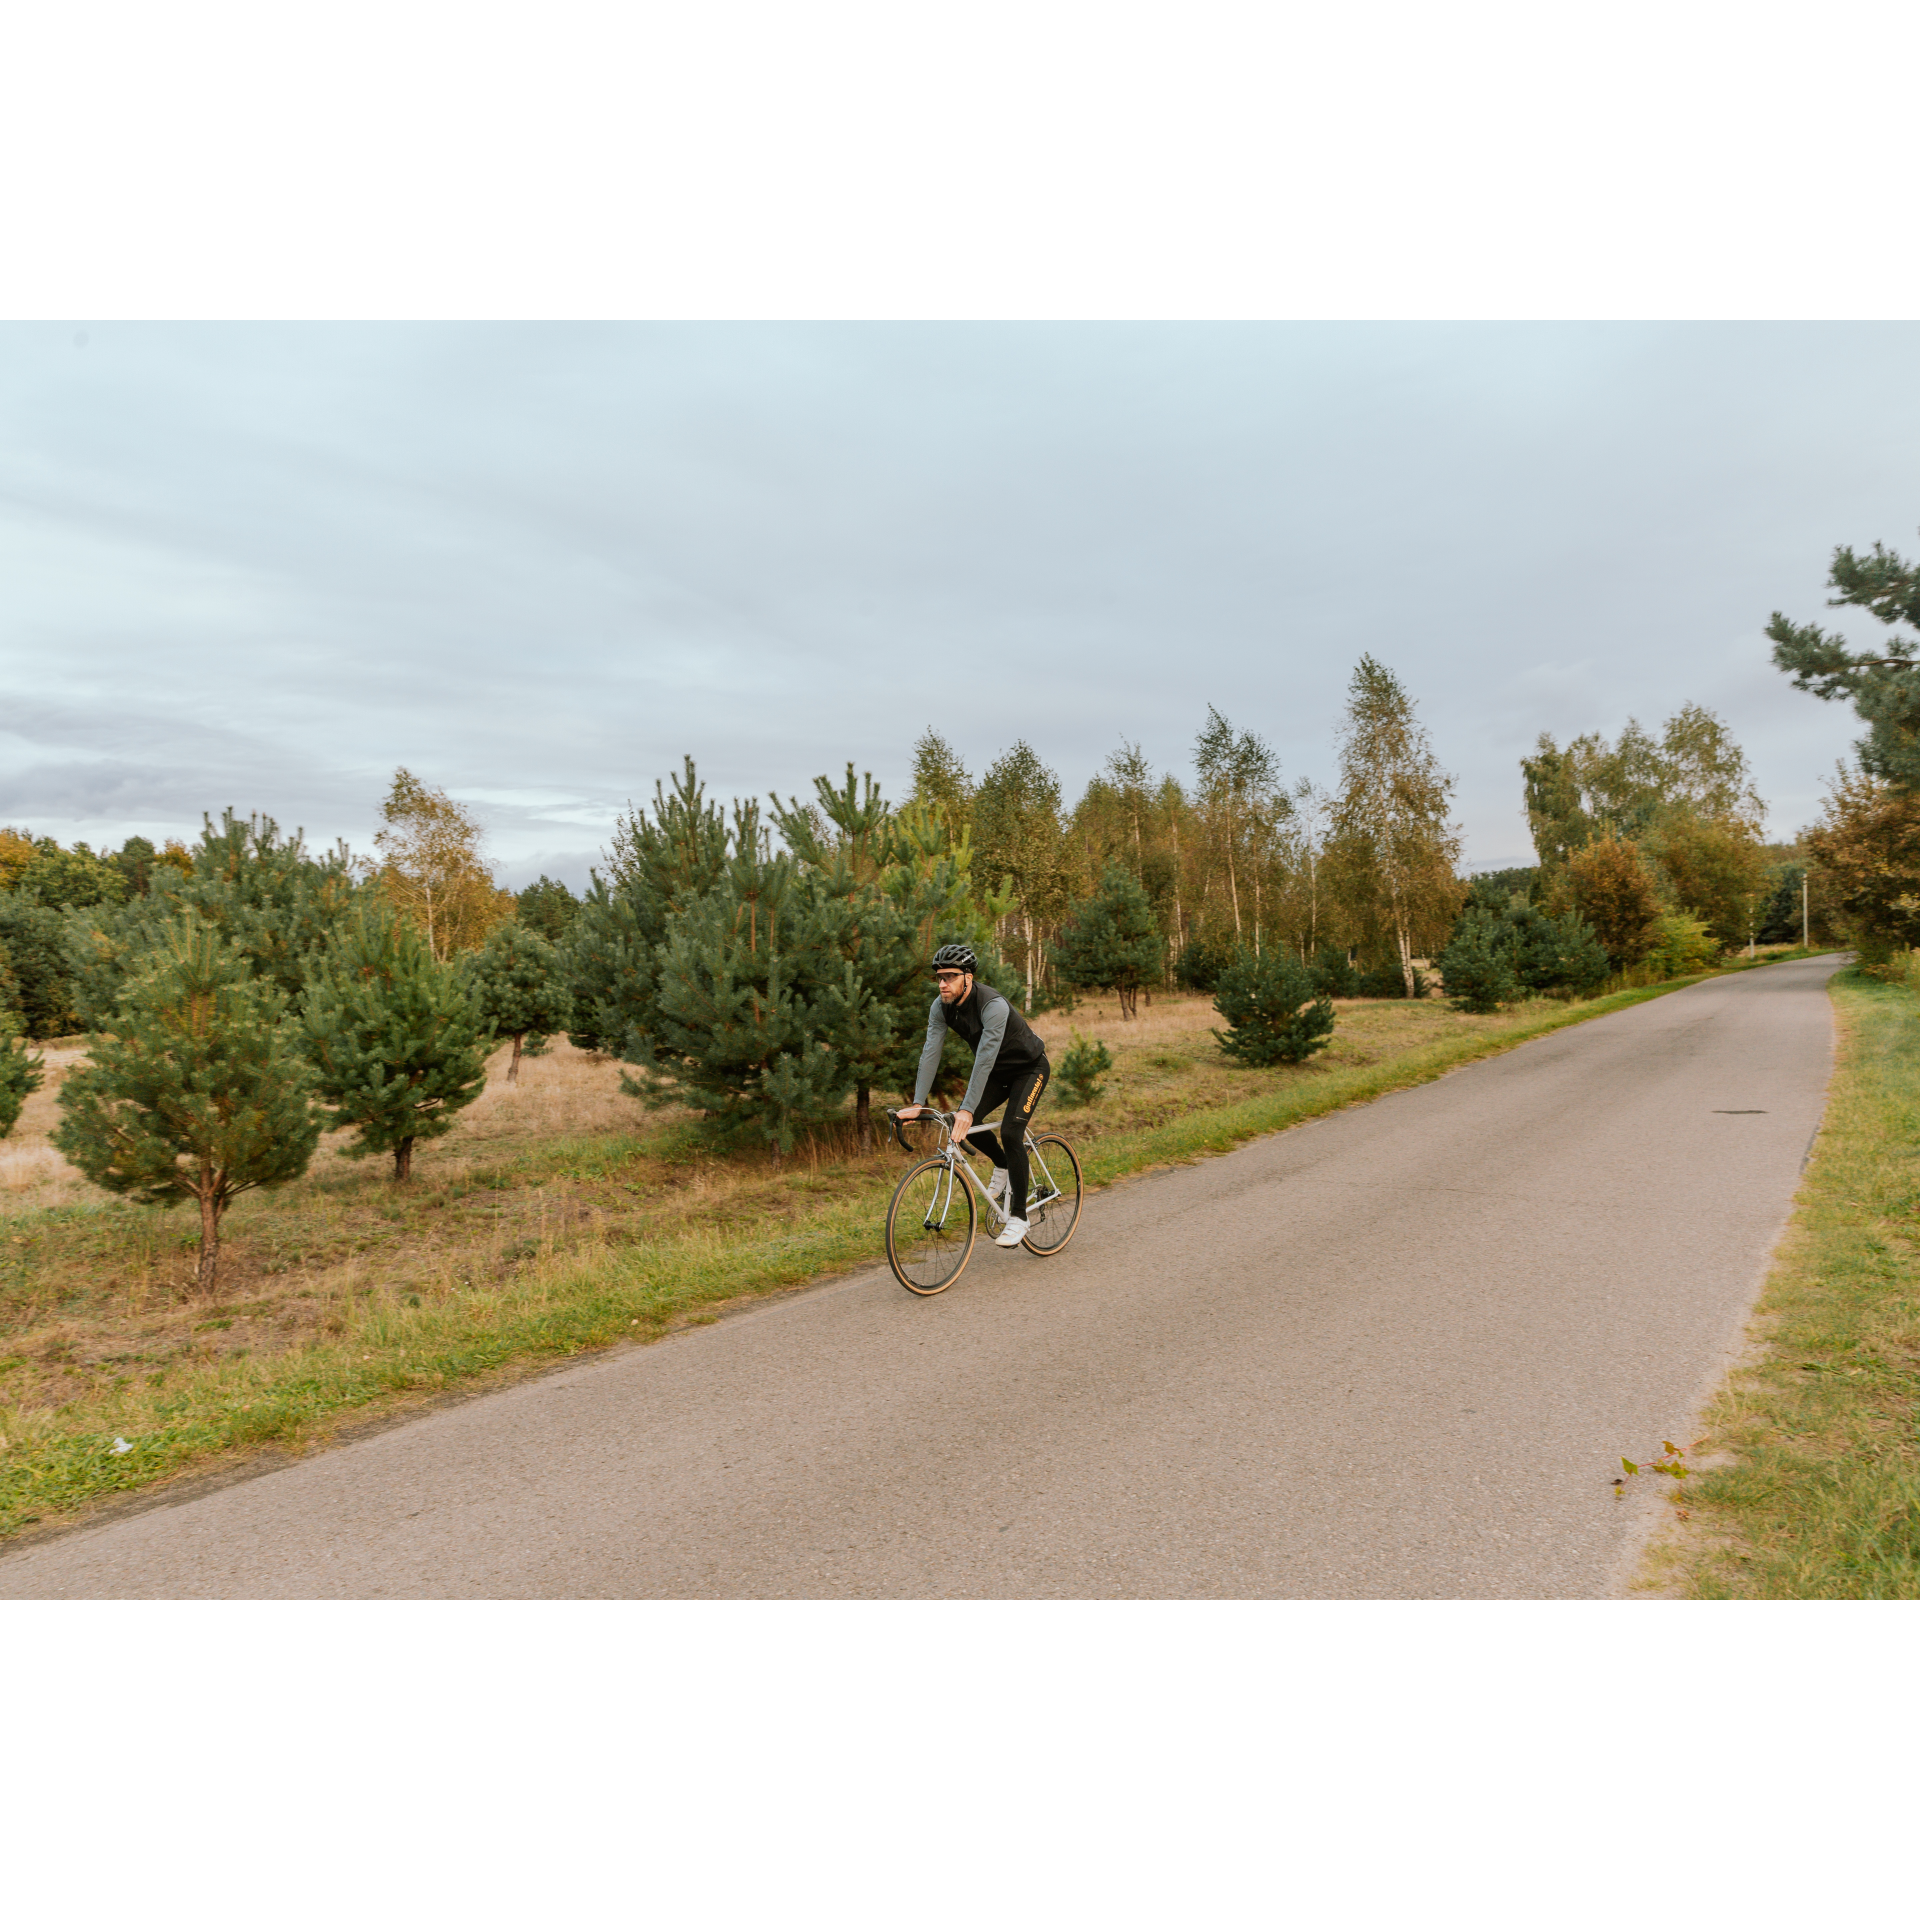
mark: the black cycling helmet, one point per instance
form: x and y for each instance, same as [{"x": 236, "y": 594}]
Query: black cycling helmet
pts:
[{"x": 955, "y": 956}]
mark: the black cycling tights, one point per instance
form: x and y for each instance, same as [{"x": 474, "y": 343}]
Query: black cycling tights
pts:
[{"x": 1020, "y": 1092}]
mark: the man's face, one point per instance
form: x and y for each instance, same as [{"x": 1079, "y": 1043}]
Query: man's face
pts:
[{"x": 953, "y": 985}]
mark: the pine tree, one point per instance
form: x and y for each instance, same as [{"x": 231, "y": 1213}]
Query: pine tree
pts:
[
  {"x": 267, "y": 896},
  {"x": 199, "y": 1091},
  {"x": 612, "y": 953},
  {"x": 520, "y": 989},
  {"x": 399, "y": 1044},
  {"x": 20, "y": 1071},
  {"x": 900, "y": 884},
  {"x": 1113, "y": 942},
  {"x": 548, "y": 907},
  {"x": 1477, "y": 963},
  {"x": 736, "y": 1031},
  {"x": 1273, "y": 1010},
  {"x": 1553, "y": 953},
  {"x": 39, "y": 944},
  {"x": 1884, "y": 688}
]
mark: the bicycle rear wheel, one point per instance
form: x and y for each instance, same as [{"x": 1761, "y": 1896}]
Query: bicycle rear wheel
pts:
[
  {"x": 930, "y": 1227},
  {"x": 1053, "y": 1193}
]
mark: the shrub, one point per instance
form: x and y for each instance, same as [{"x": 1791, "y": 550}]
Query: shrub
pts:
[
  {"x": 1554, "y": 953},
  {"x": 1681, "y": 944},
  {"x": 1381, "y": 983},
  {"x": 1273, "y": 1010},
  {"x": 1078, "y": 1075},
  {"x": 1202, "y": 962},
  {"x": 1333, "y": 973},
  {"x": 1497, "y": 956}
]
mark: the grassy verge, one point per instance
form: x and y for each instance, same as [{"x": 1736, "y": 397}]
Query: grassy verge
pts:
[
  {"x": 1820, "y": 1498},
  {"x": 537, "y": 1232}
]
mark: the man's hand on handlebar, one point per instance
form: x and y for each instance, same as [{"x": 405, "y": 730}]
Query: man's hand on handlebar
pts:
[{"x": 961, "y": 1120}]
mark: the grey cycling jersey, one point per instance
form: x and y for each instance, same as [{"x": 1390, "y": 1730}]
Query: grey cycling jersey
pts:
[{"x": 991, "y": 1027}]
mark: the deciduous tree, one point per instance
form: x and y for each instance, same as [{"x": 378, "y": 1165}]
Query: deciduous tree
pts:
[
  {"x": 941, "y": 781},
  {"x": 1237, "y": 794},
  {"x": 1394, "y": 849},
  {"x": 1610, "y": 887},
  {"x": 1867, "y": 849},
  {"x": 432, "y": 870},
  {"x": 1018, "y": 839}
]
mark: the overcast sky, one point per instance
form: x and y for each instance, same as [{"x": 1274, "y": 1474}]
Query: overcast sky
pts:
[{"x": 263, "y": 565}]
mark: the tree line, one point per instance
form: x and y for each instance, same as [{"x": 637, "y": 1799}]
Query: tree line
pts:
[{"x": 766, "y": 967}]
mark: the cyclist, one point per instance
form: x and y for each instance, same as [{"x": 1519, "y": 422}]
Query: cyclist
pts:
[{"x": 1009, "y": 1065}]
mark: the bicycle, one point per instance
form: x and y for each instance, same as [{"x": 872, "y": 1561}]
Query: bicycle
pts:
[{"x": 931, "y": 1220}]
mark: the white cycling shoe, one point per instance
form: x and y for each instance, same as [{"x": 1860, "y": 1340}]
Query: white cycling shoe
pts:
[
  {"x": 997, "y": 1188},
  {"x": 1012, "y": 1234}
]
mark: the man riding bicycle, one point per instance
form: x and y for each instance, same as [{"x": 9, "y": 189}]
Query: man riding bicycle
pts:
[{"x": 1009, "y": 1066}]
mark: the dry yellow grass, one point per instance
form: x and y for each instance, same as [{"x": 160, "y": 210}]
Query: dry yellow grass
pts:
[{"x": 32, "y": 1174}]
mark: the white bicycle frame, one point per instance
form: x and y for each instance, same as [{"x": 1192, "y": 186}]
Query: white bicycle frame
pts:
[{"x": 955, "y": 1156}]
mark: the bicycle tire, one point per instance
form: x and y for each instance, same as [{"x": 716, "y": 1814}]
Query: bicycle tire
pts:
[
  {"x": 927, "y": 1246},
  {"x": 1051, "y": 1223}
]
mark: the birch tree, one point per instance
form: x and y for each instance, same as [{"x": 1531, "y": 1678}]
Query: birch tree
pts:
[
  {"x": 432, "y": 869},
  {"x": 1397, "y": 845},
  {"x": 1237, "y": 777},
  {"x": 1019, "y": 839}
]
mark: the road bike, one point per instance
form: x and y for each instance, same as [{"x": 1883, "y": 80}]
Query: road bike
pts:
[{"x": 932, "y": 1218}]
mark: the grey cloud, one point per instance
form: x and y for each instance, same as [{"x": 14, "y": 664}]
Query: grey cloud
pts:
[{"x": 551, "y": 559}]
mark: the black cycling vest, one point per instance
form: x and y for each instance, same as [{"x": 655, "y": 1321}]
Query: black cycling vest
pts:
[{"x": 1020, "y": 1046}]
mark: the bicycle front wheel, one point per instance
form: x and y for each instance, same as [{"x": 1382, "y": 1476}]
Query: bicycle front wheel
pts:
[
  {"x": 930, "y": 1227},
  {"x": 1053, "y": 1194}
]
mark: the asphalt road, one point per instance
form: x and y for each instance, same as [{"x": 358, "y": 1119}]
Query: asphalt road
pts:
[{"x": 1395, "y": 1353}]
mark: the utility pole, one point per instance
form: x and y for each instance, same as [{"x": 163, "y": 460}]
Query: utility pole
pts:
[{"x": 1805, "y": 923}]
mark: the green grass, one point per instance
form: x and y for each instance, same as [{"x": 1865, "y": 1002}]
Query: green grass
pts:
[
  {"x": 356, "y": 1299},
  {"x": 1821, "y": 1499}
]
